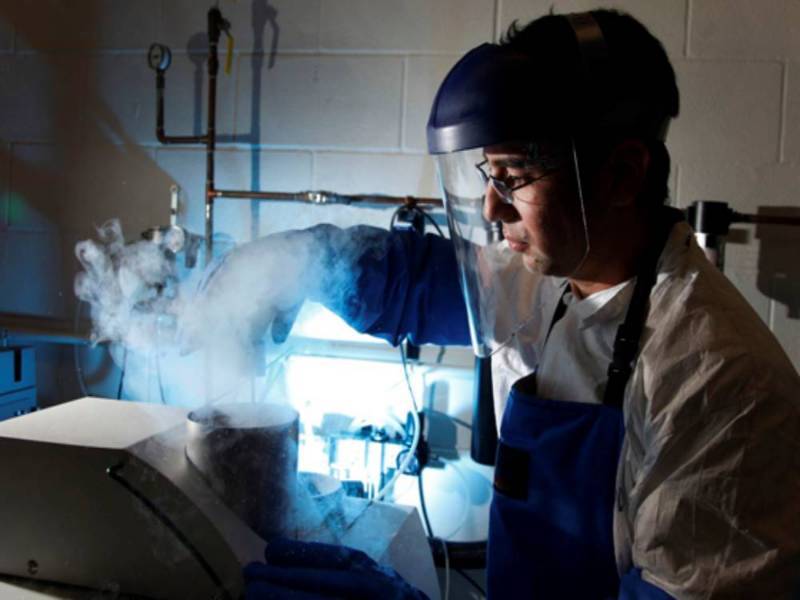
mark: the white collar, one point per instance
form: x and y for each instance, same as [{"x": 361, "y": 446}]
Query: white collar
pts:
[{"x": 605, "y": 305}]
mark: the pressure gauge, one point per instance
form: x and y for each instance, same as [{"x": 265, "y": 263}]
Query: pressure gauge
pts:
[{"x": 159, "y": 57}]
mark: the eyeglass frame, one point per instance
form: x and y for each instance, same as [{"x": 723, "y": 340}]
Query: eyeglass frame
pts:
[{"x": 501, "y": 187}]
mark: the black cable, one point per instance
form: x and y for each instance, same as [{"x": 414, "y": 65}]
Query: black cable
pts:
[
  {"x": 430, "y": 220},
  {"x": 462, "y": 555},
  {"x": 122, "y": 374},
  {"x": 431, "y": 539},
  {"x": 425, "y": 215},
  {"x": 461, "y": 422},
  {"x": 76, "y": 358},
  {"x": 424, "y": 508},
  {"x": 393, "y": 220},
  {"x": 158, "y": 379},
  {"x": 440, "y": 355},
  {"x": 472, "y": 582},
  {"x": 408, "y": 378}
]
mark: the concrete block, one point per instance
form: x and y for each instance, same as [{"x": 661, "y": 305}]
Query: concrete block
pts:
[
  {"x": 123, "y": 98},
  {"x": 744, "y": 29},
  {"x": 187, "y": 169},
  {"x": 5, "y": 181},
  {"x": 324, "y": 101},
  {"x": 785, "y": 324},
  {"x": 37, "y": 185},
  {"x": 746, "y": 282},
  {"x": 391, "y": 174},
  {"x": 31, "y": 254},
  {"x": 763, "y": 265},
  {"x": 84, "y": 24},
  {"x": 747, "y": 188},
  {"x": 742, "y": 255},
  {"x": 791, "y": 124},
  {"x": 260, "y": 25},
  {"x": 112, "y": 181},
  {"x": 346, "y": 173},
  {"x": 241, "y": 220},
  {"x": 235, "y": 219},
  {"x": 186, "y": 97},
  {"x": 730, "y": 112},
  {"x": 42, "y": 97},
  {"x": 414, "y": 25},
  {"x": 56, "y": 375},
  {"x": 666, "y": 19},
  {"x": 70, "y": 266},
  {"x": 775, "y": 296},
  {"x": 6, "y": 35},
  {"x": 778, "y": 268},
  {"x": 423, "y": 77},
  {"x": 778, "y": 186},
  {"x": 734, "y": 182}
]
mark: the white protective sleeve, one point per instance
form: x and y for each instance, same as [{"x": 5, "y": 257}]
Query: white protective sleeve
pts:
[{"x": 709, "y": 502}]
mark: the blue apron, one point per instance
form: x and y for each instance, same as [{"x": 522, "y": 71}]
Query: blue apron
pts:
[{"x": 551, "y": 518}]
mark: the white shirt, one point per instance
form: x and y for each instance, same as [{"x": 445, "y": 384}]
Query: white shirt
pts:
[
  {"x": 571, "y": 363},
  {"x": 709, "y": 474},
  {"x": 585, "y": 336}
]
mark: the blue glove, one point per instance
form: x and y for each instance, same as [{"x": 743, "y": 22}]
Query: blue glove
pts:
[{"x": 310, "y": 570}]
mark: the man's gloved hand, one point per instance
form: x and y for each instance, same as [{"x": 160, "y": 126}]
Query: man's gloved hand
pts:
[
  {"x": 310, "y": 570},
  {"x": 257, "y": 288}
]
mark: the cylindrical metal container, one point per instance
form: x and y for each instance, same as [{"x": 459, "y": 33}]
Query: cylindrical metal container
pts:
[
  {"x": 319, "y": 509},
  {"x": 248, "y": 455}
]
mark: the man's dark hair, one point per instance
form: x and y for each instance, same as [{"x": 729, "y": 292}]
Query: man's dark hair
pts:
[{"x": 631, "y": 91}]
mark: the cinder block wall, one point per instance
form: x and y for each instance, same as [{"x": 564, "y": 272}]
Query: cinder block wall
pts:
[{"x": 334, "y": 94}]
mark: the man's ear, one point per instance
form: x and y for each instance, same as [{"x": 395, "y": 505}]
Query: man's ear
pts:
[{"x": 627, "y": 167}]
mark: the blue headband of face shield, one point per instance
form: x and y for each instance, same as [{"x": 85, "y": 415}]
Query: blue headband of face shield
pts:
[
  {"x": 496, "y": 94},
  {"x": 485, "y": 99}
]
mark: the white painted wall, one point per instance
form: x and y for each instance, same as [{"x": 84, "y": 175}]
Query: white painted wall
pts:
[{"x": 341, "y": 105}]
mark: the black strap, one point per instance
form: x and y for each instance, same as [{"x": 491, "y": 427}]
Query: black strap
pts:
[
  {"x": 629, "y": 333},
  {"x": 560, "y": 311}
]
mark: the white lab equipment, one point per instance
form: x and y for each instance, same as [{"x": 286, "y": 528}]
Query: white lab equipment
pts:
[{"x": 101, "y": 494}]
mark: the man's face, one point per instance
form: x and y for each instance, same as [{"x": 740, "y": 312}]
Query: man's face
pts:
[{"x": 544, "y": 220}]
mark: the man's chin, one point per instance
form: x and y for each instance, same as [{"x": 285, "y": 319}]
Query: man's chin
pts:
[
  {"x": 537, "y": 264},
  {"x": 544, "y": 265}
]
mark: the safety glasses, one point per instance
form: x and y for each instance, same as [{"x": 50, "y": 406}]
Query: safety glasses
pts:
[{"x": 506, "y": 187}]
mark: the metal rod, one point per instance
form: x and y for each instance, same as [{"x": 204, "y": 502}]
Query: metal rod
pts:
[
  {"x": 322, "y": 197},
  {"x": 764, "y": 219},
  {"x": 160, "y": 134},
  {"x": 57, "y": 331},
  {"x": 214, "y": 24}
]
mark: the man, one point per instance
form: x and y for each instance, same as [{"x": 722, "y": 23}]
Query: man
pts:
[{"x": 650, "y": 438}]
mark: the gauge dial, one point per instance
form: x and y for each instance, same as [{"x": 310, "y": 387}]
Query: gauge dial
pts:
[{"x": 159, "y": 57}]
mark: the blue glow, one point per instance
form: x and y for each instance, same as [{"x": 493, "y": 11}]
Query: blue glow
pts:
[{"x": 317, "y": 322}]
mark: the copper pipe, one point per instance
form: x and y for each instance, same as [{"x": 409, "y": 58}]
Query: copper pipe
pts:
[{"x": 323, "y": 197}]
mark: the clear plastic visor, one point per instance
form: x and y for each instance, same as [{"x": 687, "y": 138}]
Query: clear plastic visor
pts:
[{"x": 499, "y": 291}]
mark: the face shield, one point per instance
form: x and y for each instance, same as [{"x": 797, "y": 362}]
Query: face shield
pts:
[
  {"x": 496, "y": 94},
  {"x": 496, "y": 97},
  {"x": 499, "y": 288}
]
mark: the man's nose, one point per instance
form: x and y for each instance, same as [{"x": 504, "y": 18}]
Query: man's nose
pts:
[{"x": 495, "y": 208}]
